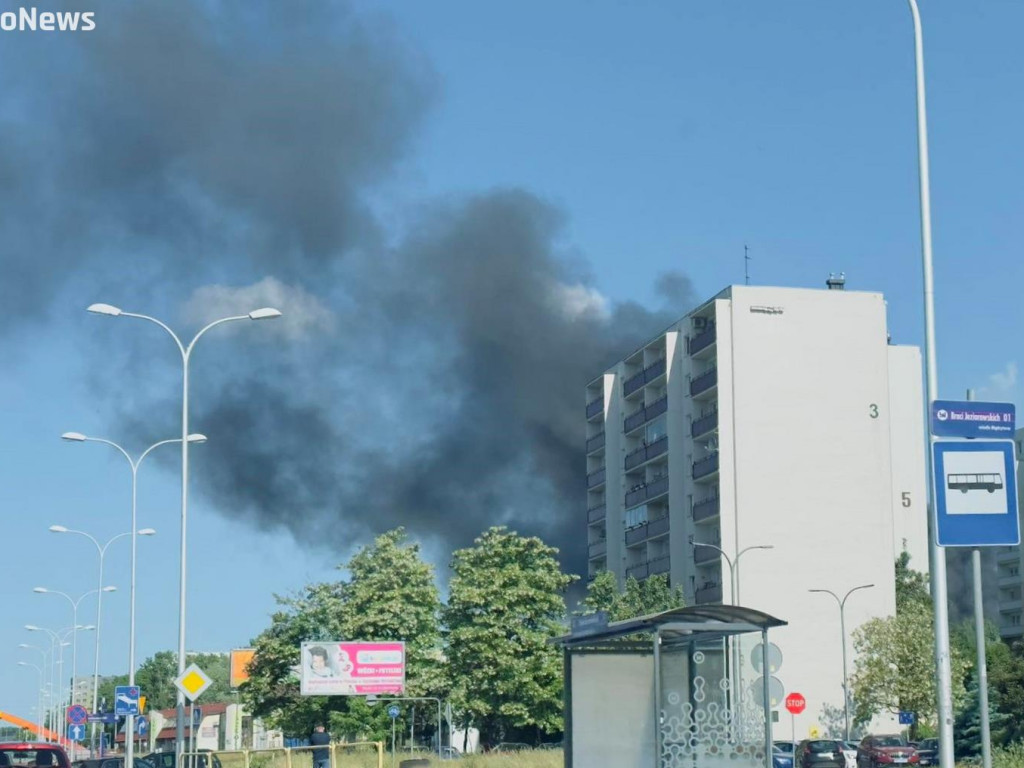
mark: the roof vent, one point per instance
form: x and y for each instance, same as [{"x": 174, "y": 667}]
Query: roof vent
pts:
[{"x": 836, "y": 282}]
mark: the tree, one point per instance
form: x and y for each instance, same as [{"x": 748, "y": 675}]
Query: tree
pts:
[
  {"x": 911, "y": 586},
  {"x": 505, "y": 605},
  {"x": 895, "y": 667},
  {"x": 967, "y": 727},
  {"x": 389, "y": 594},
  {"x": 638, "y": 598},
  {"x": 155, "y": 676}
]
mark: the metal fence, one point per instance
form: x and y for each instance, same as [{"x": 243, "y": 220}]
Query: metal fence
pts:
[{"x": 361, "y": 754}]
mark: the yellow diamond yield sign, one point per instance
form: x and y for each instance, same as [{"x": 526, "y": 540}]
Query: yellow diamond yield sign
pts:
[{"x": 192, "y": 682}]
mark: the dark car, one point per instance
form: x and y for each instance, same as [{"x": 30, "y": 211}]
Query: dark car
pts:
[
  {"x": 168, "y": 760},
  {"x": 116, "y": 761},
  {"x": 780, "y": 758},
  {"x": 820, "y": 753},
  {"x": 928, "y": 752},
  {"x": 888, "y": 750},
  {"x": 15, "y": 754}
]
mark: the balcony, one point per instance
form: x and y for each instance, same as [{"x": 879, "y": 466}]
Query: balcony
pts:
[
  {"x": 703, "y": 555},
  {"x": 705, "y": 466},
  {"x": 638, "y": 571},
  {"x": 657, "y": 527},
  {"x": 712, "y": 593},
  {"x": 647, "y": 375},
  {"x": 706, "y": 423},
  {"x": 704, "y": 382},
  {"x": 701, "y": 341},
  {"x": 640, "y": 417},
  {"x": 636, "y": 535},
  {"x": 658, "y": 565},
  {"x": 595, "y": 442},
  {"x": 647, "y": 491},
  {"x": 595, "y": 514},
  {"x": 594, "y": 407},
  {"x": 646, "y": 453},
  {"x": 595, "y": 479},
  {"x": 705, "y": 509},
  {"x": 598, "y": 549}
]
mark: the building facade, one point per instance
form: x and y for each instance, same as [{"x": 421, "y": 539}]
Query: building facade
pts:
[{"x": 779, "y": 426}]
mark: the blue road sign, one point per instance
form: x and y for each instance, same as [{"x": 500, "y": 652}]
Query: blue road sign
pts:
[
  {"x": 393, "y": 712},
  {"x": 142, "y": 725},
  {"x": 976, "y": 493},
  {"x": 107, "y": 718},
  {"x": 76, "y": 732},
  {"x": 906, "y": 718},
  {"x": 126, "y": 700},
  {"x": 971, "y": 418},
  {"x": 77, "y": 714}
]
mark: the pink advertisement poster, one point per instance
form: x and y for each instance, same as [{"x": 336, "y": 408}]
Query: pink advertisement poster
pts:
[{"x": 331, "y": 668}]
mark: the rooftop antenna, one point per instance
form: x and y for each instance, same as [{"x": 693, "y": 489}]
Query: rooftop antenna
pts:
[{"x": 746, "y": 265}]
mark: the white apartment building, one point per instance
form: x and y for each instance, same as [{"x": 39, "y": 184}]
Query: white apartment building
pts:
[{"x": 776, "y": 417}]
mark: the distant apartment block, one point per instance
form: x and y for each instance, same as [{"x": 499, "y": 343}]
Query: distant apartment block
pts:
[{"x": 773, "y": 417}]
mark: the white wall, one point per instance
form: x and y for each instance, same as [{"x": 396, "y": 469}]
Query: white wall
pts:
[{"x": 907, "y": 454}]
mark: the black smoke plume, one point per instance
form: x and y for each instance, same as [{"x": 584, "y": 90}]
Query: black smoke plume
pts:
[{"x": 430, "y": 368}]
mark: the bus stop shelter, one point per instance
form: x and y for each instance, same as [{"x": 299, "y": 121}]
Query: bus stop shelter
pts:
[{"x": 669, "y": 690}]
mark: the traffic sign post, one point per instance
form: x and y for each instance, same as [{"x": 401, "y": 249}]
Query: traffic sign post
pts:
[
  {"x": 76, "y": 731},
  {"x": 907, "y": 718},
  {"x": 142, "y": 725},
  {"x": 192, "y": 682},
  {"x": 795, "y": 704},
  {"x": 126, "y": 700},
  {"x": 393, "y": 712},
  {"x": 77, "y": 715},
  {"x": 971, "y": 418},
  {"x": 975, "y": 493}
]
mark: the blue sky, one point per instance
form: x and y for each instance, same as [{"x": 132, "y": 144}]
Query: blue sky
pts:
[{"x": 670, "y": 135}]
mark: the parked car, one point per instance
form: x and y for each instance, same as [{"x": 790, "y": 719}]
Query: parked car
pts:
[
  {"x": 928, "y": 752},
  {"x": 780, "y": 758},
  {"x": 788, "y": 747},
  {"x": 887, "y": 750},
  {"x": 820, "y": 753},
  {"x": 168, "y": 760},
  {"x": 850, "y": 753},
  {"x": 14, "y": 754},
  {"x": 116, "y": 761}
]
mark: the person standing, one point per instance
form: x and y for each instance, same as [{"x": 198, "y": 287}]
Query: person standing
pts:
[{"x": 321, "y": 739}]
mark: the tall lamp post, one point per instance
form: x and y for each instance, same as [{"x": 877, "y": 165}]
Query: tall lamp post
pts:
[
  {"x": 78, "y": 437},
  {"x": 101, "y": 549},
  {"x": 58, "y": 639},
  {"x": 264, "y": 313},
  {"x": 42, "y": 684},
  {"x": 39, "y": 698},
  {"x": 842, "y": 630}
]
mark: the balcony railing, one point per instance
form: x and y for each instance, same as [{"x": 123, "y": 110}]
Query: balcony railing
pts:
[
  {"x": 596, "y": 514},
  {"x": 701, "y": 341},
  {"x": 647, "y": 375},
  {"x": 638, "y": 571},
  {"x": 706, "y": 509},
  {"x": 658, "y": 565},
  {"x": 641, "y": 416},
  {"x": 647, "y": 452},
  {"x": 595, "y": 442},
  {"x": 657, "y": 527},
  {"x": 703, "y": 425},
  {"x": 595, "y": 407},
  {"x": 705, "y": 466},
  {"x": 598, "y": 549},
  {"x": 647, "y": 491},
  {"x": 704, "y": 382},
  {"x": 709, "y": 594},
  {"x": 636, "y": 535},
  {"x": 595, "y": 479},
  {"x": 705, "y": 554}
]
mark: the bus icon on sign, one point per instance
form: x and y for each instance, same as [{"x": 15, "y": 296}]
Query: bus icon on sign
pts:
[{"x": 990, "y": 482}]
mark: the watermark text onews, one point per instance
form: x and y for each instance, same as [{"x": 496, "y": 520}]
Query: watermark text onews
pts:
[{"x": 33, "y": 20}]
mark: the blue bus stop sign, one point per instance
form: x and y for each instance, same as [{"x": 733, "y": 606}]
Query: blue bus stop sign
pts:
[
  {"x": 906, "y": 718},
  {"x": 393, "y": 712},
  {"x": 976, "y": 493}
]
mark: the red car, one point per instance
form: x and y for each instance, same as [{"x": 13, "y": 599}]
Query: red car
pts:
[
  {"x": 887, "y": 751},
  {"x": 32, "y": 754}
]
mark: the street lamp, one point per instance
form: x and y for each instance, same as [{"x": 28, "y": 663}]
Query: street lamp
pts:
[
  {"x": 42, "y": 683},
  {"x": 842, "y": 630},
  {"x": 101, "y": 549},
  {"x": 39, "y": 695},
  {"x": 264, "y": 313},
  {"x": 58, "y": 639},
  {"x": 74, "y": 623},
  {"x": 78, "y": 437}
]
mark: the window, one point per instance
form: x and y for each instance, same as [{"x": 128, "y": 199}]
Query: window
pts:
[
  {"x": 655, "y": 430},
  {"x": 636, "y": 516}
]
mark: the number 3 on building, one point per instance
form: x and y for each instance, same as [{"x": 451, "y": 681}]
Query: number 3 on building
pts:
[{"x": 873, "y": 410}]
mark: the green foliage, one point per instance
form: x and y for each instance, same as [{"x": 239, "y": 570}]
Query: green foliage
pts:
[
  {"x": 911, "y": 586},
  {"x": 1006, "y": 684},
  {"x": 389, "y": 594},
  {"x": 506, "y": 603},
  {"x": 967, "y": 727},
  {"x": 155, "y": 676},
  {"x": 895, "y": 668},
  {"x": 639, "y": 598}
]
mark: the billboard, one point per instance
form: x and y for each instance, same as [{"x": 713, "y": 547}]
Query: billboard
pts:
[
  {"x": 240, "y": 659},
  {"x": 330, "y": 668}
]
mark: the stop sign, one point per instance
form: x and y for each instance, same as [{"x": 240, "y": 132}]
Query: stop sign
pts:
[{"x": 795, "y": 703}]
